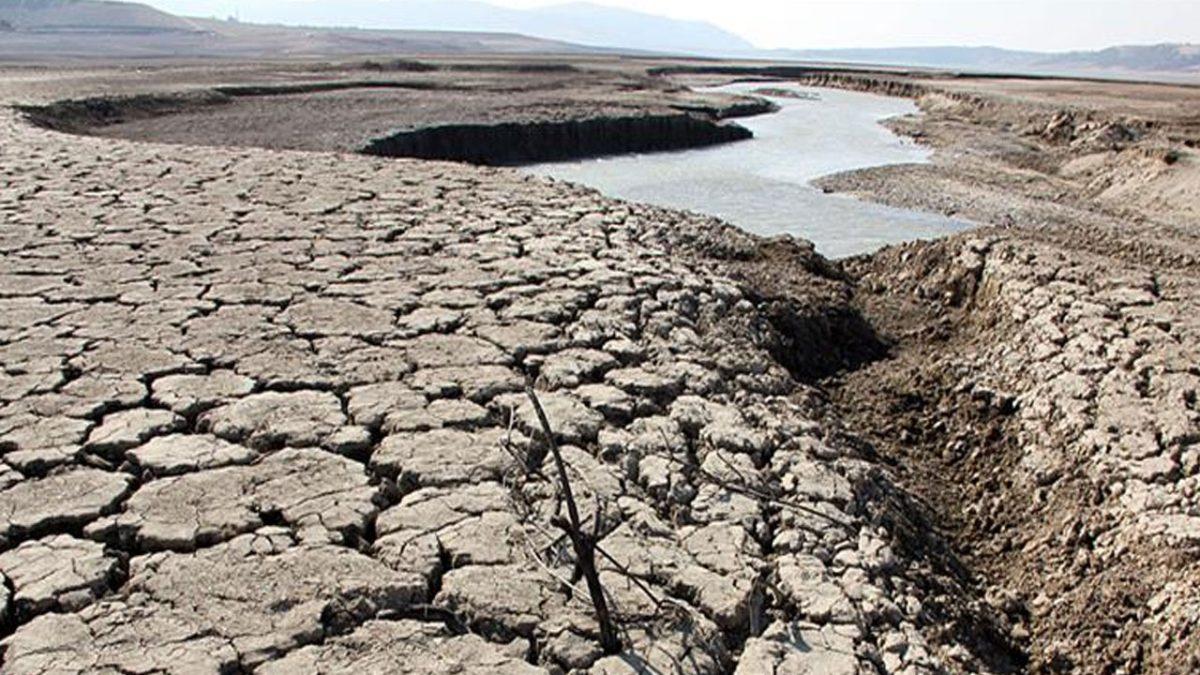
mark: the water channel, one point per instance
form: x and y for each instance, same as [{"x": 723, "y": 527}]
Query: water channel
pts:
[{"x": 763, "y": 184}]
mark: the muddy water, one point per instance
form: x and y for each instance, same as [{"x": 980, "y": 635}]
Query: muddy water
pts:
[{"x": 762, "y": 184}]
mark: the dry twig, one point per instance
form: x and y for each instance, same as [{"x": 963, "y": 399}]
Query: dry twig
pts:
[{"x": 583, "y": 542}]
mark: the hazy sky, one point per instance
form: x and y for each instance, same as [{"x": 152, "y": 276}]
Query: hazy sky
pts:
[
  {"x": 1016, "y": 24},
  {"x": 1050, "y": 25}
]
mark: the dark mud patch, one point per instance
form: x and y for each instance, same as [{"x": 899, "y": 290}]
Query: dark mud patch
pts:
[
  {"x": 79, "y": 116},
  {"x": 527, "y": 142}
]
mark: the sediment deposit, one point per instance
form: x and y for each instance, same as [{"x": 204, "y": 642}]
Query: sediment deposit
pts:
[{"x": 473, "y": 112}]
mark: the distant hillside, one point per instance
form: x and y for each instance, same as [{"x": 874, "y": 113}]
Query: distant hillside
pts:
[
  {"x": 49, "y": 29},
  {"x": 926, "y": 57},
  {"x": 89, "y": 15},
  {"x": 1164, "y": 58},
  {"x": 577, "y": 22},
  {"x": 100, "y": 29}
]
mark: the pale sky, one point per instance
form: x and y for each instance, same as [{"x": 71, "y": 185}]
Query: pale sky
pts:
[{"x": 1043, "y": 25}]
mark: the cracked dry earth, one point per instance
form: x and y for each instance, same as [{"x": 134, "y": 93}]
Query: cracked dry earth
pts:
[
  {"x": 263, "y": 411},
  {"x": 1052, "y": 394}
]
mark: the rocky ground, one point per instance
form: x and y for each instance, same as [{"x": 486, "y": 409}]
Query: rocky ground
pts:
[{"x": 264, "y": 410}]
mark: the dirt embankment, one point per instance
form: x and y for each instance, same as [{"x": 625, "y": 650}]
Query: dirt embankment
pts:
[
  {"x": 1040, "y": 389},
  {"x": 1043, "y": 402},
  {"x": 1041, "y": 395},
  {"x": 500, "y": 143},
  {"x": 502, "y": 116},
  {"x": 528, "y": 142}
]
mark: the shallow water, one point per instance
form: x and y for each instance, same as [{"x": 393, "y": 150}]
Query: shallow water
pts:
[{"x": 762, "y": 184}]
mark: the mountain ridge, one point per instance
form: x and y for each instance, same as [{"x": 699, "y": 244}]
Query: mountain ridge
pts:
[
  {"x": 582, "y": 23},
  {"x": 1163, "y": 57},
  {"x": 92, "y": 15},
  {"x": 475, "y": 26},
  {"x": 53, "y": 30}
]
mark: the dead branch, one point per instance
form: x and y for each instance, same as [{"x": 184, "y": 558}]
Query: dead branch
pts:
[
  {"x": 743, "y": 488},
  {"x": 426, "y": 612},
  {"x": 583, "y": 542},
  {"x": 628, "y": 574}
]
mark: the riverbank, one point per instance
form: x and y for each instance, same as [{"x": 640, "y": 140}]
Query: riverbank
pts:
[
  {"x": 974, "y": 454},
  {"x": 1088, "y": 167},
  {"x": 490, "y": 114},
  {"x": 1041, "y": 394}
]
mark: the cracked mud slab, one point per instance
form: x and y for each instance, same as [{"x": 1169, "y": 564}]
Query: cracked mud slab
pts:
[
  {"x": 184, "y": 453},
  {"x": 245, "y": 601},
  {"x": 60, "y": 501},
  {"x": 319, "y": 495},
  {"x": 58, "y": 573},
  {"x": 288, "y": 389},
  {"x": 402, "y": 647}
]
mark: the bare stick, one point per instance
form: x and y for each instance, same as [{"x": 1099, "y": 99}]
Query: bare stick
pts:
[
  {"x": 750, "y": 491},
  {"x": 584, "y": 545},
  {"x": 426, "y": 612},
  {"x": 625, "y": 572}
]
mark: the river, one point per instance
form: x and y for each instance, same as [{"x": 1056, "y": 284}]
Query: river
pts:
[{"x": 763, "y": 184}]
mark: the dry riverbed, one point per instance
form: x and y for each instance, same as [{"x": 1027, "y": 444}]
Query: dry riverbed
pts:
[
  {"x": 262, "y": 409},
  {"x": 1042, "y": 393}
]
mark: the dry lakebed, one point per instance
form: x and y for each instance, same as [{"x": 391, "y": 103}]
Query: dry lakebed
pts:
[{"x": 303, "y": 372}]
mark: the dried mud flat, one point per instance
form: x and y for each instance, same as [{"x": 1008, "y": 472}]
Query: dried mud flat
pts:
[{"x": 263, "y": 411}]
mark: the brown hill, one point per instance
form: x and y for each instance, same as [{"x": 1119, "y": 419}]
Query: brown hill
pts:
[
  {"x": 90, "y": 16},
  {"x": 100, "y": 29}
]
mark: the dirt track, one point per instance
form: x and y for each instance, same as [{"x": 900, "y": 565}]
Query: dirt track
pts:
[{"x": 295, "y": 378}]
